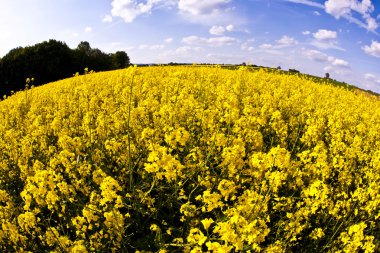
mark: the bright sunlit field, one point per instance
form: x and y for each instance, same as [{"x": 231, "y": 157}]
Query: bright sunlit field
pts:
[{"x": 189, "y": 159}]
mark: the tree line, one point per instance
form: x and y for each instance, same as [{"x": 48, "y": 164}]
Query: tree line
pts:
[{"x": 53, "y": 60}]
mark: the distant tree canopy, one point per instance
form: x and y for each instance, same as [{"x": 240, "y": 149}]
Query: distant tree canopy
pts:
[
  {"x": 120, "y": 59},
  {"x": 53, "y": 60},
  {"x": 294, "y": 71}
]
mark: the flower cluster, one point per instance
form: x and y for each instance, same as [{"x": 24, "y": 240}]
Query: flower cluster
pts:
[{"x": 189, "y": 159}]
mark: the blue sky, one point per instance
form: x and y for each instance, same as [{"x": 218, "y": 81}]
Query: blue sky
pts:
[{"x": 341, "y": 37}]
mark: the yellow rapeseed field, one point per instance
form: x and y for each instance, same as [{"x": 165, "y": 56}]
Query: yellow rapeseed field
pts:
[{"x": 189, "y": 159}]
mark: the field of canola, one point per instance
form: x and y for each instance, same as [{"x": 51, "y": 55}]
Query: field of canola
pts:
[{"x": 189, "y": 159}]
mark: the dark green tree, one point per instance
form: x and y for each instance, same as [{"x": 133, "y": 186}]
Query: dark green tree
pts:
[
  {"x": 120, "y": 59},
  {"x": 45, "y": 62},
  {"x": 84, "y": 47},
  {"x": 53, "y": 60}
]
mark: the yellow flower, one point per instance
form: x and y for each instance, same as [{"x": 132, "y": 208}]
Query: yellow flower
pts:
[
  {"x": 317, "y": 233},
  {"x": 196, "y": 237},
  {"x": 154, "y": 227},
  {"x": 207, "y": 223}
]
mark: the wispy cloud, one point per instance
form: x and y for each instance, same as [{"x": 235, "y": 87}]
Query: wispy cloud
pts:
[
  {"x": 184, "y": 53},
  {"x": 247, "y": 45},
  {"x": 372, "y": 78},
  {"x": 345, "y": 9},
  {"x": 88, "y": 29},
  {"x": 129, "y": 10},
  {"x": 266, "y": 46},
  {"x": 307, "y": 2},
  {"x": 318, "y": 56},
  {"x": 195, "y": 11},
  {"x": 315, "y": 55},
  {"x": 213, "y": 41},
  {"x": 337, "y": 70},
  {"x": 287, "y": 41},
  {"x": 284, "y": 42},
  {"x": 151, "y": 47},
  {"x": 201, "y": 7},
  {"x": 107, "y": 19},
  {"x": 324, "y": 45},
  {"x": 168, "y": 40}
]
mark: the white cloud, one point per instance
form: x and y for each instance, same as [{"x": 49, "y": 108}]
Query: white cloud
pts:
[
  {"x": 373, "y": 49},
  {"x": 307, "y": 2},
  {"x": 230, "y": 28},
  {"x": 345, "y": 9},
  {"x": 338, "y": 62},
  {"x": 187, "y": 49},
  {"x": 372, "y": 78},
  {"x": 168, "y": 40},
  {"x": 316, "y": 13},
  {"x": 220, "y": 30},
  {"x": 324, "y": 45},
  {"x": 217, "y": 30},
  {"x": 157, "y": 47},
  {"x": 323, "y": 34},
  {"x": 315, "y": 55},
  {"x": 208, "y": 12},
  {"x": 283, "y": 42},
  {"x": 246, "y": 45},
  {"x": 151, "y": 47},
  {"x": 337, "y": 70},
  {"x": 221, "y": 41},
  {"x": 185, "y": 53},
  {"x": 372, "y": 24},
  {"x": 266, "y": 46},
  {"x": 214, "y": 41},
  {"x": 88, "y": 29},
  {"x": 182, "y": 50},
  {"x": 129, "y": 10},
  {"x": 306, "y": 32},
  {"x": 287, "y": 41},
  {"x": 196, "y": 11},
  {"x": 116, "y": 44},
  {"x": 369, "y": 76},
  {"x": 107, "y": 19},
  {"x": 196, "y": 7},
  {"x": 225, "y": 58},
  {"x": 143, "y": 46},
  {"x": 338, "y": 8},
  {"x": 328, "y": 68},
  {"x": 326, "y": 39},
  {"x": 192, "y": 40},
  {"x": 318, "y": 56}
]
